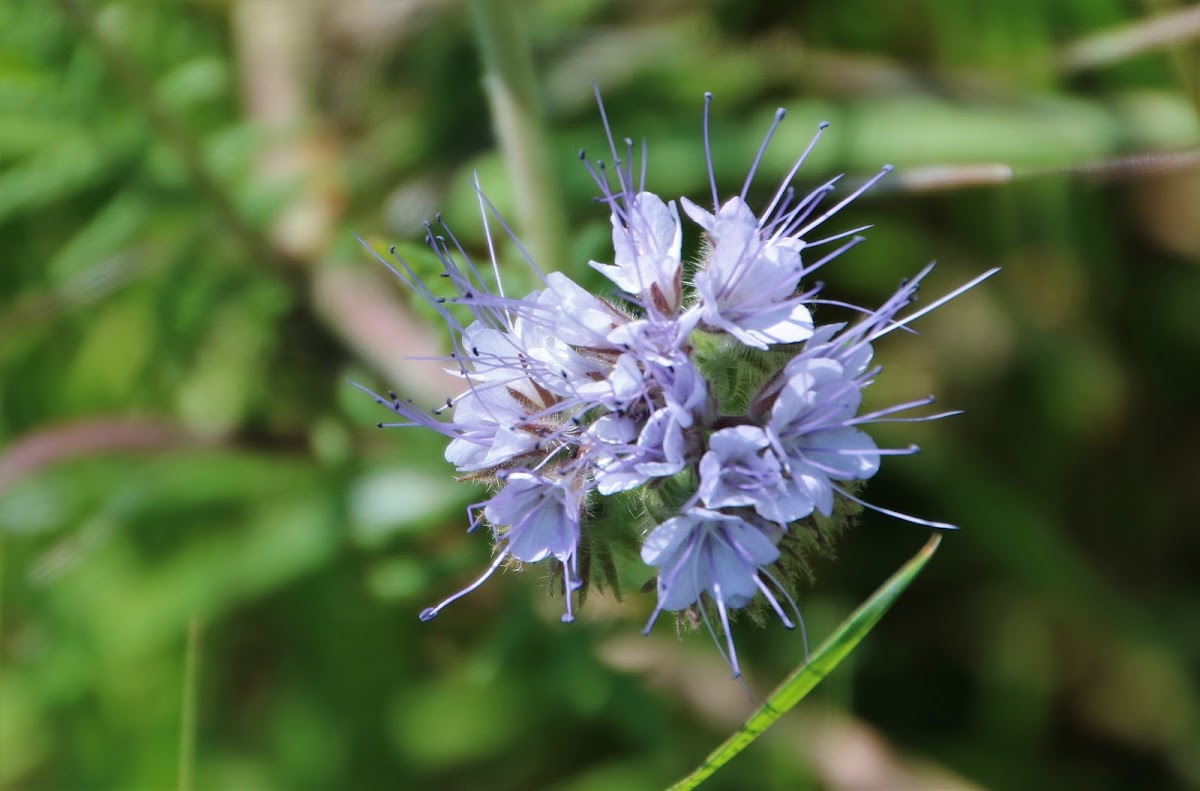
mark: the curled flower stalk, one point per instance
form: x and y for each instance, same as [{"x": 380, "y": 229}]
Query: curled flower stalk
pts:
[{"x": 706, "y": 391}]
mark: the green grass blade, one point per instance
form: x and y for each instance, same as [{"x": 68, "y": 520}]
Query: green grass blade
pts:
[
  {"x": 820, "y": 664},
  {"x": 188, "y": 711},
  {"x": 510, "y": 81}
]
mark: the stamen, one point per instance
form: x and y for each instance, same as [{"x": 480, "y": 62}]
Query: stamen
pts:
[
  {"x": 712, "y": 178},
  {"x": 429, "y": 613},
  {"x": 879, "y": 509},
  {"x": 766, "y": 592},
  {"x": 612, "y": 146},
  {"x": 795, "y": 609},
  {"x": 779, "y": 114},
  {"x": 857, "y": 240},
  {"x": 568, "y": 616},
  {"x": 886, "y": 169},
  {"x": 785, "y": 185},
  {"x": 942, "y": 301},
  {"x": 724, "y": 613},
  {"x": 645, "y": 159},
  {"x": 837, "y": 236}
]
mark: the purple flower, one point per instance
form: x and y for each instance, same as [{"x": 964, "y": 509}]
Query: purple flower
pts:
[
  {"x": 812, "y": 430},
  {"x": 493, "y": 425},
  {"x": 621, "y": 463},
  {"x": 703, "y": 551},
  {"x": 579, "y": 317},
  {"x": 566, "y": 393},
  {"x": 747, "y": 286},
  {"x": 533, "y": 518},
  {"x": 811, "y": 408},
  {"x": 655, "y": 361},
  {"x": 655, "y": 436},
  {"x": 523, "y": 384},
  {"x": 646, "y": 239},
  {"x": 740, "y": 469},
  {"x": 750, "y": 280}
]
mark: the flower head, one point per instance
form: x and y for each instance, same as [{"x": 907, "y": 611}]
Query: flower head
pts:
[{"x": 569, "y": 398}]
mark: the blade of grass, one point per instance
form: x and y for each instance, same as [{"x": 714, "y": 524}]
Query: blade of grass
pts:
[
  {"x": 511, "y": 85},
  {"x": 187, "y": 714},
  {"x": 820, "y": 664}
]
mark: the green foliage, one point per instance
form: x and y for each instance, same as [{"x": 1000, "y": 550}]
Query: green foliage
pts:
[
  {"x": 815, "y": 668},
  {"x": 736, "y": 372},
  {"x": 179, "y": 187}
]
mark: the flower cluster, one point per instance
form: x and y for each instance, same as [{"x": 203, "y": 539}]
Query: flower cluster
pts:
[{"x": 569, "y": 397}]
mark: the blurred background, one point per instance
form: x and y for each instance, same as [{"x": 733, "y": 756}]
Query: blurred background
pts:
[{"x": 211, "y": 561}]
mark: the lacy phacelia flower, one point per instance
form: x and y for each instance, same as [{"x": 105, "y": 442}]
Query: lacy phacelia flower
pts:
[
  {"x": 715, "y": 401},
  {"x": 647, "y": 239}
]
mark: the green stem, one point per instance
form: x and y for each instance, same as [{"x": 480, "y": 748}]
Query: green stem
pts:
[
  {"x": 188, "y": 707},
  {"x": 518, "y": 123},
  {"x": 1, "y": 598},
  {"x": 804, "y": 678}
]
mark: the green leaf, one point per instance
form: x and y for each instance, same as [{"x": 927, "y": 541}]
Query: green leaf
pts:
[{"x": 822, "y": 662}]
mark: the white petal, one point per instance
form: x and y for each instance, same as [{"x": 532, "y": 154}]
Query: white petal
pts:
[
  {"x": 862, "y": 463},
  {"x": 782, "y": 323},
  {"x": 666, "y": 538},
  {"x": 762, "y": 552},
  {"x": 581, "y": 318},
  {"x": 613, "y": 482},
  {"x": 734, "y": 577},
  {"x": 729, "y": 442},
  {"x": 701, "y": 217},
  {"x": 685, "y": 586}
]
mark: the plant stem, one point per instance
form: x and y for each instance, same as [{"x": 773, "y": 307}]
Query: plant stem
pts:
[
  {"x": 188, "y": 707},
  {"x": 518, "y": 123}
]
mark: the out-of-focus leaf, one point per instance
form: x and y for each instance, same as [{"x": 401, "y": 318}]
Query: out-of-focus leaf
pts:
[
  {"x": 389, "y": 501},
  {"x": 51, "y": 174},
  {"x": 114, "y": 225},
  {"x": 199, "y": 80}
]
